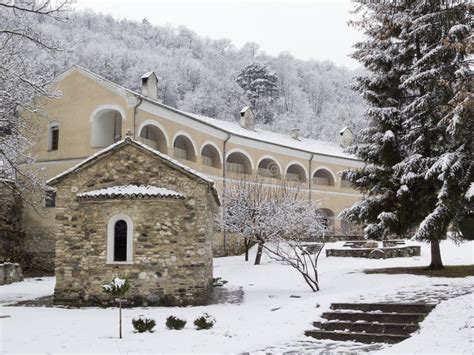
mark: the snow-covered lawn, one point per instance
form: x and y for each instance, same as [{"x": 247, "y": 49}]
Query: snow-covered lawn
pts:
[{"x": 268, "y": 315}]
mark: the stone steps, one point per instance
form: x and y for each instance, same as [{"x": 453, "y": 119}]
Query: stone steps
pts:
[
  {"x": 385, "y": 307},
  {"x": 405, "y": 318},
  {"x": 359, "y": 337},
  {"x": 370, "y": 322},
  {"x": 368, "y": 327}
]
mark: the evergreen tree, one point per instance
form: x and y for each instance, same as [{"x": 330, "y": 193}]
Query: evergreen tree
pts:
[
  {"x": 261, "y": 88},
  {"x": 419, "y": 147}
]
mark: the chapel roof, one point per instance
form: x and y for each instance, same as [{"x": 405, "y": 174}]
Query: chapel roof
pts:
[
  {"x": 129, "y": 141},
  {"x": 130, "y": 192}
]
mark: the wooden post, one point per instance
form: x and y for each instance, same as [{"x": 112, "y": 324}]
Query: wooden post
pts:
[{"x": 120, "y": 318}]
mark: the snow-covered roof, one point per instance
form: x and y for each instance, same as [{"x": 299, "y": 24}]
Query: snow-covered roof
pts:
[
  {"x": 130, "y": 191},
  {"x": 129, "y": 140},
  {"x": 307, "y": 145},
  {"x": 245, "y": 109},
  {"x": 147, "y": 75}
]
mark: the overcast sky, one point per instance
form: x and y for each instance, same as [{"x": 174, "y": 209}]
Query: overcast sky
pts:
[{"x": 306, "y": 28}]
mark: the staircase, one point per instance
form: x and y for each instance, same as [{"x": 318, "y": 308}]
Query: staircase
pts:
[{"x": 370, "y": 322}]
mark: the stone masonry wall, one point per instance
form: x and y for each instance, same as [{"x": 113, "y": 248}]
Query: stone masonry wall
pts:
[{"x": 172, "y": 239}]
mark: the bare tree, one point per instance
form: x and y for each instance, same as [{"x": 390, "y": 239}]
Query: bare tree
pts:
[
  {"x": 278, "y": 219},
  {"x": 22, "y": 79}
]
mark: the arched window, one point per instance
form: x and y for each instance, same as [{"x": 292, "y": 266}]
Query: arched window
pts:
[
  {"x": 210, "y": 156},
  {"x": 106, "y": 128},
  {"x": 119, "y": 239},
  {"x": 53, "y": 137},
  {"x": 323, "y": 177},
  {"x": 154, "y": 137},
  {"x": 268, "y": 168},
  {"x": 238, "y": 163},
  {"x": 184, "y": 148},
  {"x": 295, "y": 172}
]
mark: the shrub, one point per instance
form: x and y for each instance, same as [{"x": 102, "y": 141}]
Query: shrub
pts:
[
  {"x": 204, "y": 322},
  {"x": 173, "y": 322},
  {"x": 143, "y": 325}
]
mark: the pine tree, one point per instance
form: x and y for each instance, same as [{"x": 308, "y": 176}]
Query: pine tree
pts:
[
  {"x": 419, "y": 147},
  {"x": 261, "y": 87}
]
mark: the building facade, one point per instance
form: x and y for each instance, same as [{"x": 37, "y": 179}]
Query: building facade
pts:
[
  {"x": 129, "y": 211},
  {"x": 93, "y": 113}
]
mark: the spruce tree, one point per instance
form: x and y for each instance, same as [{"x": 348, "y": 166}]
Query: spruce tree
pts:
[{"x": 419, "y": 146}]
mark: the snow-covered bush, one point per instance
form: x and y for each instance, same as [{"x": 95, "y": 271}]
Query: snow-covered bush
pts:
[
  {"x": 142, "y": 324},
  {"x": 117, "y": 287},
  {"x": 173, "y": 322},
  {"x": 204, "y": 322}
]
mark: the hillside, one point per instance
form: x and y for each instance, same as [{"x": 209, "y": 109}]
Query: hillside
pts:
[{"x": 198, "y": 74}]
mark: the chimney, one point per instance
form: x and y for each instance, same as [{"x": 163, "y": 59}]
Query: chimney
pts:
[
  {"x": 247, "y": 118},
  {"x": 295, "y": 133},
  {"x": 346, "y": 137},
  {"x": 150, "y": 85}
]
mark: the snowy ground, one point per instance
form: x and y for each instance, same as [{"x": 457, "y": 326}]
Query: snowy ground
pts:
[{"x": 268, "y": 319}]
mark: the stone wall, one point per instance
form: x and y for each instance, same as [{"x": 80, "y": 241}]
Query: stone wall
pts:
[
  {"x": 172, "y": 239},
  {"x": 9, "y": 273},
  {"x": 376, "y": 253}
]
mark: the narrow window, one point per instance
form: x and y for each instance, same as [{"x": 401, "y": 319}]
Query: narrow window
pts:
[
  {"x": 53, "y": 143},
  {"x": 50, "y": 199},
  {"x": 120, "y": 241}
]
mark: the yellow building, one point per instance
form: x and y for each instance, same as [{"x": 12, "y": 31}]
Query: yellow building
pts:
[{"x": 93, "y": 113}]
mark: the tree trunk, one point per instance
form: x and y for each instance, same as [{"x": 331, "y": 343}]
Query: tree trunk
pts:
[
  {"x": 247, "y": 247},
  {"x": 436, "y": 262},
  {"x": 258, "y": 257}
]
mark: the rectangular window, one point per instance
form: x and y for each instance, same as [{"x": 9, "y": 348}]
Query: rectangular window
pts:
[
  {"x": 54, "y": 138},
  {"x": 50, "y": 199}
]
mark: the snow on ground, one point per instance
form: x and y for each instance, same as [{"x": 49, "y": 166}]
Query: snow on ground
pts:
[
  {"x": 268, "y": 316},
  {"x": 29, "y": 289},
  {"x": 447, "y": 329}
]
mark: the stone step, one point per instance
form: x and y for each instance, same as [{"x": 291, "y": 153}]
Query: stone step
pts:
[
  {"x": 381, "y": 317},
  {"x": 367, "y": 327},
  {"x": 366, "y": 338},
  {"x": 385, "y": 307}
]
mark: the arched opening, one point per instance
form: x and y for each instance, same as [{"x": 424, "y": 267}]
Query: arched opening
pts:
[
  {"x": 210, "y": 156},
  {"x": 184, "y": 149},
  {"x": 120, "y": 240},
  {"x": 106, "y": 128},
  {"x": 327, "y": 218},
  {"x": 154, "y": 137},
  {"x": 268, "y": 168},
  {"x": 295, "y": 172},
  {"x": 238, "y": 163},
  {"x": 323, "y": 177}
]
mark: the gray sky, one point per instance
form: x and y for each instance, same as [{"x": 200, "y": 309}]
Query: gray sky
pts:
[{"x": 307, "y": 29}]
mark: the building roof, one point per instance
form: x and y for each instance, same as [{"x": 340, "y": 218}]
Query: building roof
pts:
[
  {"x": 129, "y": 141},
  {"x": 130, "y": 192},
  {"x": 306, "y": 145}
]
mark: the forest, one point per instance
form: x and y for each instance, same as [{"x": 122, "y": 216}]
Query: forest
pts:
[{"x": 201, "y": 75}]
